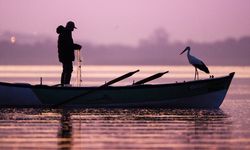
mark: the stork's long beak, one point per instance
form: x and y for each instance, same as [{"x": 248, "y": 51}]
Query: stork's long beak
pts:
[
  {"x": 187, "y": 48},
  {"x": 183, "y": 51}
]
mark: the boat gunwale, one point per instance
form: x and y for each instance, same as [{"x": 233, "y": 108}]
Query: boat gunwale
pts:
[{"x": 26, "y": 85}]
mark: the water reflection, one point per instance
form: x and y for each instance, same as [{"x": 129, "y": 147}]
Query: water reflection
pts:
[
  {"x": 151, "y": 128},
  {"x": 118, "y": 128},
  {"x": 65, "y": 131}
]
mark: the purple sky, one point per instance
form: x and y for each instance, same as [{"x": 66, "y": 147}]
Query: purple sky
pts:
[{"x": 127, "y": 21}]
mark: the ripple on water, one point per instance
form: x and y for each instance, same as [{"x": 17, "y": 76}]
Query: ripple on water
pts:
[{"x": 120, "y": 128}]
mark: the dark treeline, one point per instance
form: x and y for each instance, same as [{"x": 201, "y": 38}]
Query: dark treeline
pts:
[{"x": 155, "y": 50}]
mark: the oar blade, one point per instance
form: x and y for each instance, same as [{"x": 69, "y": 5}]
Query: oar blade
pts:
[
  {"x": 153, "y": 77},
  {"x": 120, "y": 78}
]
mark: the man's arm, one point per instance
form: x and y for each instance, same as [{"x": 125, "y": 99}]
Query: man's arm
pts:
[{"x": 77, "y": 47}]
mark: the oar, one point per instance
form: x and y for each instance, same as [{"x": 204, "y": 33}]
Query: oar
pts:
[
  {"x": 98, "y": 88},
  {"x": 153, "y": 77}
]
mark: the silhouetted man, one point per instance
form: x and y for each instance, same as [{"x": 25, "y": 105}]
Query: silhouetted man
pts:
[{"x": 66, "y": 47}]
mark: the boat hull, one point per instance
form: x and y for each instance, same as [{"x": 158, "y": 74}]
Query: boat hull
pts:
[{"x": 208, "y": 93}]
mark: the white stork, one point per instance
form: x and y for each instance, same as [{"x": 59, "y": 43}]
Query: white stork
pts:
[{"x": 196, "y": 63}]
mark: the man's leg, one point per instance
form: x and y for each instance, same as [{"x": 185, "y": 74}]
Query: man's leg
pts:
[
  {"x": 62, "y": 78},
  {"x": 67, "y": 70}
]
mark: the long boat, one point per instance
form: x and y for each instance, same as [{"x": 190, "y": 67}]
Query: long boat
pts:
[{"x": 205, "y": 93}]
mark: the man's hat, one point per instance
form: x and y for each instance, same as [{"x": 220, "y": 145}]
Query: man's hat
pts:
[{"x": 71, "y": 24}]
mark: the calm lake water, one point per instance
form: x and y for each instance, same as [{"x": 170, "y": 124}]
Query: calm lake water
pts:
[{"x": 79, "y": 128}]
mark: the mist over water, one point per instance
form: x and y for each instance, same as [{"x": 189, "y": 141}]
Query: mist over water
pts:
[{"x": 156, "y": 49}]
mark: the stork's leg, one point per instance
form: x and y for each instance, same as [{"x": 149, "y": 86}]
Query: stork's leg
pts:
[{"x": 195, "y": 74}]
